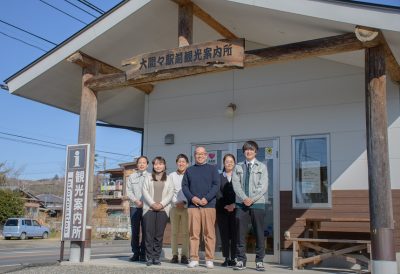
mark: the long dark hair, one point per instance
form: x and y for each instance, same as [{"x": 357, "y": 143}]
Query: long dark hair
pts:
[
  {"x": 226, "y": 156},
  {"x": 153, "y": 174}
]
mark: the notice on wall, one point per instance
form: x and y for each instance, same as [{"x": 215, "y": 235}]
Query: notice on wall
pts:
[
  {"x": 75, "y": 193},
  {"x": 212, "y": 157},
  {"x": 310, "y": 177},
  {"x": 269, "y": 152}
]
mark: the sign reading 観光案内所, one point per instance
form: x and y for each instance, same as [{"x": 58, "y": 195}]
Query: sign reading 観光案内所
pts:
[
  {"x": 75, "y": 193},
  {"x": 222, "y": 53}
]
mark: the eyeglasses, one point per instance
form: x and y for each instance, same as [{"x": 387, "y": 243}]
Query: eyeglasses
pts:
[{"x": 201, "y": 153}]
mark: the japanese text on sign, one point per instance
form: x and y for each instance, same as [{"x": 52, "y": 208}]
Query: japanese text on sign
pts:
[
  {"x": 75, "y": 194},
  {"x": 222, "y": 53}
]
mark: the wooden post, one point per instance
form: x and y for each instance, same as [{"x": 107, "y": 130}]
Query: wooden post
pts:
[
  {"x": 380, "y": 196},
  {"x": 185, "y": 24},
  {"x": 87, "y": 135}
]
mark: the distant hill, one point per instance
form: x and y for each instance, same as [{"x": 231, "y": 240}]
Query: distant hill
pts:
[{"x": 43, "y": 186}]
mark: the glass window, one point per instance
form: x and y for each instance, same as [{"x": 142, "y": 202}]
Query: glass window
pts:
[
  {"x": 28, "y": 222},
  {"x": 35, "y": 223},
  {"x": 12, "y": 222},
  {"x": 311, "y": 168}
]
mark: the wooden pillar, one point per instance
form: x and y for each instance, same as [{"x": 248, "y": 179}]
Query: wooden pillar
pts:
[
  {"x": 185, "y": 24},
  {"x": 87, "y": 132},
  {"x": 380, "y": 196},
  {"x": 87, "y": 135}
]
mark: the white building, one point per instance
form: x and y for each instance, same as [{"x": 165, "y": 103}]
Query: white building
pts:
[{"x": 307, "y": 112}]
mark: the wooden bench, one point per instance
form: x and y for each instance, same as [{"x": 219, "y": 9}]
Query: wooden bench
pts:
[{"x": 341, "y": 248}]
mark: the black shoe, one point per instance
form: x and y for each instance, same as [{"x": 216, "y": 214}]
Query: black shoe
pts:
[
  {"x": 149, "y": 262},
  {"x": 231, "y": 263},
  {"x": 156, "y": 262},
  {"x": 143, "y": 258},
  {"x": 174, "y": 259},
  {"x": 184, "y": 260},
  {"x": 225, "y": 263},
  {"x": 134, "y": 258}
]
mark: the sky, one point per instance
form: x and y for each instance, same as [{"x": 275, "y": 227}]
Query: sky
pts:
[
  {"x": 24, "y": 122},
  {"x": 21, "y": 117}
]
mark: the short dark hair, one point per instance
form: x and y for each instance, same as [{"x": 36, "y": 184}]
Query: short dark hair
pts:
[
  {"x": 250, "y": 145},
  {"x": 142, "y": 157},
  {"x": 182, "y": 156},
  {"x": 153, "y": 175}
]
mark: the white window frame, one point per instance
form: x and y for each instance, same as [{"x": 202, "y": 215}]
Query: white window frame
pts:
[{"x": 328, "y": 160}]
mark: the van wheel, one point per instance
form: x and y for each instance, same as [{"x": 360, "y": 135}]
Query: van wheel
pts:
[
  {"x": 23, "y": 236},
  {"x": 45, "y": 235}
]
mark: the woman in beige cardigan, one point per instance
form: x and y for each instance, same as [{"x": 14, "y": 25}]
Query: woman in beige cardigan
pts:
[{"x": 158, "y": 190}]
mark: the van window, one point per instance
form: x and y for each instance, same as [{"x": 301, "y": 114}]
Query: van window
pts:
[
  {"x": 35, "y": 223},
  {"x": 23, "y": 222},
  {"x": 28, "y": 222},
  {"x": 12, "y": 222}
]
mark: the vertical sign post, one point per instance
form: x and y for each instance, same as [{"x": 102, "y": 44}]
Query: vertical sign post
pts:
[{"x": 75, "y": 195}]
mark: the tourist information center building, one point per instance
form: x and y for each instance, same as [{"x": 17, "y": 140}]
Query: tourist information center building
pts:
[{"x": 315, "y": 83}]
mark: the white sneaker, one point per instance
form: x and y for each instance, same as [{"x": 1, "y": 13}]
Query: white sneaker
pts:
[
  {"x": 193, "y": 264},
  {"x": 209, "y": 264}
]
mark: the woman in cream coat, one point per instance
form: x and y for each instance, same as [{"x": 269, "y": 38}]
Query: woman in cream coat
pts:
[{"x": 158, "y": 190}]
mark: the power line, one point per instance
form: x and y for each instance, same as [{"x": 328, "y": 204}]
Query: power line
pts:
[
  {"x": 66, "y": 13},
  {"x": 78, "y": 7},
  {"x": 60, "y": 146},
  {"x": 37, "y": 36},
  {"x": 93, "y": 7},
  {"x": 22, "y": 41}
]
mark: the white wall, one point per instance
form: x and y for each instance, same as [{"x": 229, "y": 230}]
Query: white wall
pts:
[{"x": 313, "y": 96}]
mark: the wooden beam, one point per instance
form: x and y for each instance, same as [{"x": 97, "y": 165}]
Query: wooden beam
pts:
[
  {"x": 87, "y": 62},
  {"x": 366, "y": 34},
  {"x": 209, "y": 20},
  {"x": 311, "y": 48},
  {"x": 185, "y": 24},
  {"x": 119, "y": 80},
  {"x": 295, "y": 51},
  {"x": 392, "y": 66}
]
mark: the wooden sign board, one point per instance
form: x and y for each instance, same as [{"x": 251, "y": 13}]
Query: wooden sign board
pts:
[
  {"x": 75, "y": 193},
  {"x": 222, "y": 53}
]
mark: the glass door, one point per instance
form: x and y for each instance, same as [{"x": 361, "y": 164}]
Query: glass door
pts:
[{"x": 268, "y": 153}]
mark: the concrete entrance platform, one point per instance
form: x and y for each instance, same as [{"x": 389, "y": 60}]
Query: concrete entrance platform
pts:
[{"x": 123, "y": 264}]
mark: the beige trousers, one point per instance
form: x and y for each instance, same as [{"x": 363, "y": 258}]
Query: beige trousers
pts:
[
  {"x": 202, "y": 220},
  {"x": 179, "y": 223}
]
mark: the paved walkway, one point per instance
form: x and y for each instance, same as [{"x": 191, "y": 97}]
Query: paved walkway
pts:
[{"x": 121, "y": 265}]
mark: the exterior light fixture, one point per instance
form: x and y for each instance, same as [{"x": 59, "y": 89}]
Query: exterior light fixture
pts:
[{"x": 230, "y": 110}]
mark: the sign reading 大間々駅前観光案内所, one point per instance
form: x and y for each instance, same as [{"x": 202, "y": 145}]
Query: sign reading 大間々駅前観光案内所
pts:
[
  {"x": 221, "y": 53},
  {"x": 75, "y": 193}
]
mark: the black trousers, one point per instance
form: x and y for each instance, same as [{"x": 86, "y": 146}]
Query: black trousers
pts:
[
  {"x": 227, "y": 230},
  {"x": 136, "y": 214},
  {"x": 243, "y": 217},
  {"x": 154, "y": 224}
]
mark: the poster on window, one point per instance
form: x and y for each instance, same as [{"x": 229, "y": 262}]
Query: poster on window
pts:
[
  {"x": 310, "y": 177},
  {"x": 212, "y": 157}
]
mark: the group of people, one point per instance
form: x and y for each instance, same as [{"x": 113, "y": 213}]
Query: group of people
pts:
[{"x": 195, "y": 198}]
